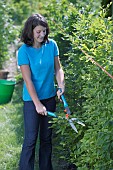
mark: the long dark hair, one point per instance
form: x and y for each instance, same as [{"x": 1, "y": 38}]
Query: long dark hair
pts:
[{"x": 30, "y": 24}]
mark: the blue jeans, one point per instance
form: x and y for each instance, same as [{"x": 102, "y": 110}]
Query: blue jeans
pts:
[{"x": 35, "y": 123}]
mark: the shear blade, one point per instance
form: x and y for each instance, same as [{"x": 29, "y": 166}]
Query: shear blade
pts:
[
  {"x": 79, "y": 122},
  {"x": 73, "y": 126}
]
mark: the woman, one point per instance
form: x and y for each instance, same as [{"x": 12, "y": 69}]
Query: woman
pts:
[{"x": 38, "y": 59}]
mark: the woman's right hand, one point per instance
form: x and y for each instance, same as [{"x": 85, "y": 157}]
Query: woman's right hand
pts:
[{"x": 41, "y": 109}]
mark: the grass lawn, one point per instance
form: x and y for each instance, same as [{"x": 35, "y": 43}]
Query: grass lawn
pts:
[{"x": 11, "y": 134}]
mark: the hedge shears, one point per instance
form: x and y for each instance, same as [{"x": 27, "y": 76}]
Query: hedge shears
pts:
[{"x": 67, "y": 114}]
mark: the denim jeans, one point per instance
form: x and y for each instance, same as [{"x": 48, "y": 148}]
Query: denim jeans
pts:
[{"x": 37, "y": 125}]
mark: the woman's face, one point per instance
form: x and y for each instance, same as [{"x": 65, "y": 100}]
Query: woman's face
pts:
[{"x": 39, "y": 33}]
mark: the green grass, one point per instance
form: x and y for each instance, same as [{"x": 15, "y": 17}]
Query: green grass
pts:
[{"x": 11, "y": 134}]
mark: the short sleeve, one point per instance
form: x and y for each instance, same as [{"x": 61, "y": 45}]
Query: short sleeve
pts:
[
  {"x": 22, "y": 56},
  {"x": 56, "y": 49}
]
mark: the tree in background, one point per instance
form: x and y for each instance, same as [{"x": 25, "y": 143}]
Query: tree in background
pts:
[
  {"x": 20, "y": 10},
  {"x": 6, "y": 30},
  {"x": 12, "y": 14}
]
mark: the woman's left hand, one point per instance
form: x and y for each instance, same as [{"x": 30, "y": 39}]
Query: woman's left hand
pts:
[{"x": 60, "y": 91}]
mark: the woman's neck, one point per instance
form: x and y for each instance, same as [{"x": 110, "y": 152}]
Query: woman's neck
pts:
[{"x": 37, "y": 45}]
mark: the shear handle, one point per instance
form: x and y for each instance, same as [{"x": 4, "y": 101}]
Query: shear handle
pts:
[
  {"x": 52, "y": 114},
  {"x": 63, "y": 99}
]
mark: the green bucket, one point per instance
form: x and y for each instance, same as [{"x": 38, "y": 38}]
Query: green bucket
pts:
[{"x": 6, "y": 90}]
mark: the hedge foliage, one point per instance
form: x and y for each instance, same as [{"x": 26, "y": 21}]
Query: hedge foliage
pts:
[{"x": 89, "y": 90}]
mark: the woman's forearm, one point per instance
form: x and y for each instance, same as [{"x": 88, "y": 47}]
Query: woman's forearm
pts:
[
  {"x": 60, "y": 78},
  {"x": 32, "y": 92},
  {"x": 40, "y": 108}
]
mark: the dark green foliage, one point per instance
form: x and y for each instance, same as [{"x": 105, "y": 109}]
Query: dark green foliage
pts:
[{"x": 106, "y": 3}]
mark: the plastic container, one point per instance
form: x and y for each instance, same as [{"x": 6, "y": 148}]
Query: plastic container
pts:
[{"x": 6, "y": 90}]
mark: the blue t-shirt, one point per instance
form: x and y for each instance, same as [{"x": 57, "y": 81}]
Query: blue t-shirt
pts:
[{"x": 41, "y": 63}]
